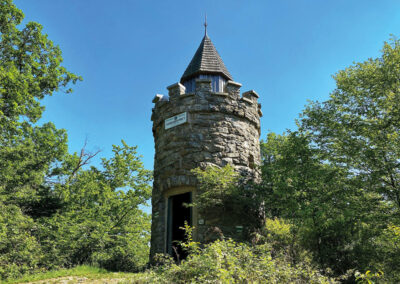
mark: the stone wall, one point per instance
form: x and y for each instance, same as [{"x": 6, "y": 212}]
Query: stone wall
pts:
[{"x": 221, "y": 128}]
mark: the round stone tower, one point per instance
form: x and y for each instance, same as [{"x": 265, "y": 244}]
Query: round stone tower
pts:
[{"x": 203, "y": 121}]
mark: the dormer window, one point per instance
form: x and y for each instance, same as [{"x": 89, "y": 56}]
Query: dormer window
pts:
[{"x": 217, "y": 83}]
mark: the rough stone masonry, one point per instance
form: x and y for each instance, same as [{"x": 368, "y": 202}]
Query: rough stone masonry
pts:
[{"x": 221, "y": 128}]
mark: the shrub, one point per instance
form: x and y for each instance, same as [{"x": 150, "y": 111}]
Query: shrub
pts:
[
  {"x": 227, "y": 261},
  {"x": 19, "y": 251}
]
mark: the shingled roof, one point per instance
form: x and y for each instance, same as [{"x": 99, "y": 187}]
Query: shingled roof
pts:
[{"x": 206, "y": 60}]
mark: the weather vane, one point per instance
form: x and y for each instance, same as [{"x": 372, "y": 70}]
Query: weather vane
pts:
[{"x": 205, "y": 25}]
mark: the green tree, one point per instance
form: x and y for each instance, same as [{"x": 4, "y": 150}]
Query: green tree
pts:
[
  {"x": 217, "y": 185},
  {"x": 54, "y": 210},
  {"x": 229, "y": 200},
  {"x": 30, "y": 69},
  {"x": 358, "y": 127},
  {"x": 100, "y": 221},
  {"x": 388, "y": 248},
  {"x": 20, "y": 252},
  {"x": 357, "y": 131},
  {"x": 334, "y": 218}
]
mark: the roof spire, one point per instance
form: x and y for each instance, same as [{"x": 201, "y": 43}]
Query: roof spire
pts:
[
  {"x": 205, "y": 25},
  {"x": 206, "y": 61}
]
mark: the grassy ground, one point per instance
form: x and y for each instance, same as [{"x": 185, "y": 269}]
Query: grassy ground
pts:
[{"x": 80, "y": 274}]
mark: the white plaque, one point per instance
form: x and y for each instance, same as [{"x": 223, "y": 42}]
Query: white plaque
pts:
[{"x": 176, "y": 120}]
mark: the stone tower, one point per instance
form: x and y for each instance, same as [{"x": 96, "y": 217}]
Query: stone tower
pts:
[{"x": 203, "y": 121}]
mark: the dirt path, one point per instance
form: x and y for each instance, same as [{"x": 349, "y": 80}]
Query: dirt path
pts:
[{"x": 77, "y": 279}]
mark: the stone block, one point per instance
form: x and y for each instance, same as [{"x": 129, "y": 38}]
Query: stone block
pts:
[
  {"x": 251, "y": 95},
  {"x": 233, "y": 89},
  {"x": 156, "y": 98},
  {"x": 176, "y": 90}
]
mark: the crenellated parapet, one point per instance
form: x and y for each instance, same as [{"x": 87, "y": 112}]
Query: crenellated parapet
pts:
[{"x": 230, "y": 101}]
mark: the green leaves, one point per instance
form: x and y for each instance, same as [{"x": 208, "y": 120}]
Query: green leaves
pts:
[
  {"x": 358, "y": 127},
  {"x": 216, "y": 185},
  {"x": 333, "y": 217},
  {"x": 337, "y": 178},
  {"x": 30, "y": 69},
  {"x": 100, "y": 220},
  {"x": 19, "y": 250},
  {"x": 125, "y": 169},
  {"x": 53, "y": 211},
  {"x": 228, "y": 261}
]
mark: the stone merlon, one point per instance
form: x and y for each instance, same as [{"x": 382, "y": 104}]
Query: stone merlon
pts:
[{"x": 176, "y": 90}]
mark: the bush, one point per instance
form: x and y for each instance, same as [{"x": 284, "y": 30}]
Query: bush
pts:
[
  {"x": 227, "y": 261},
  {"x": 19, "y": 251}
]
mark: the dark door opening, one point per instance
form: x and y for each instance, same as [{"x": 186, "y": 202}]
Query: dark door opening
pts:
[{"x": 178, "y": 213}]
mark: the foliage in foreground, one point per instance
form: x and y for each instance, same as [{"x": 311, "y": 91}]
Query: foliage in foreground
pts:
[
  {"x": 227, "y": 261},
  {"x": 340, "y": 228},
  {"x": 54, "y": 210},
  {"x": 275, "y": 257},
  {"x": 356, "y": 132},
  {"x": 96, "y": 222}
]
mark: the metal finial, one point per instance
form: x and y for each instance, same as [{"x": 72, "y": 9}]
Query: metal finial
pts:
[{"x": 205, "y": 25}]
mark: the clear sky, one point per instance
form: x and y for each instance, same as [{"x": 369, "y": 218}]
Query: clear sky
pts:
[{"x": 127, "y": 51}]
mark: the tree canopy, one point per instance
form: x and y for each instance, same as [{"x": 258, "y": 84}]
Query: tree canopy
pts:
[
  {"x": 55, "y": 211},
  {"x": 358, "y": 127}
]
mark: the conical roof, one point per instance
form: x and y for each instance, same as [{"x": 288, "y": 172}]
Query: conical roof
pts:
[{"x": 206, "y": 60}]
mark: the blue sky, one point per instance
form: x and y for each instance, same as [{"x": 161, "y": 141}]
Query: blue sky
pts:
[{"x": 127, "y": 51}]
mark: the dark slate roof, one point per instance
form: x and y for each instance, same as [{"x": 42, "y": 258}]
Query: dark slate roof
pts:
[{"x": 206, "y": 60}]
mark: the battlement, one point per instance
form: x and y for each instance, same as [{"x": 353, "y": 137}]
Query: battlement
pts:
[
  {"x": 176, "y": 90},
  {"x": 203, "y": 86},
  {"x": 230, "y": 101}
]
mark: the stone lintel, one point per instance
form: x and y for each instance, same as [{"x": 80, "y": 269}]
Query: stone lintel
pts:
[
  {"x": 176, "y": 181},
  {"x": 176, "y": 89},
  {"x": 222, "y": 94},
  {"x": 203, "y": 80},
  {"x": 187, "y": 95}
]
